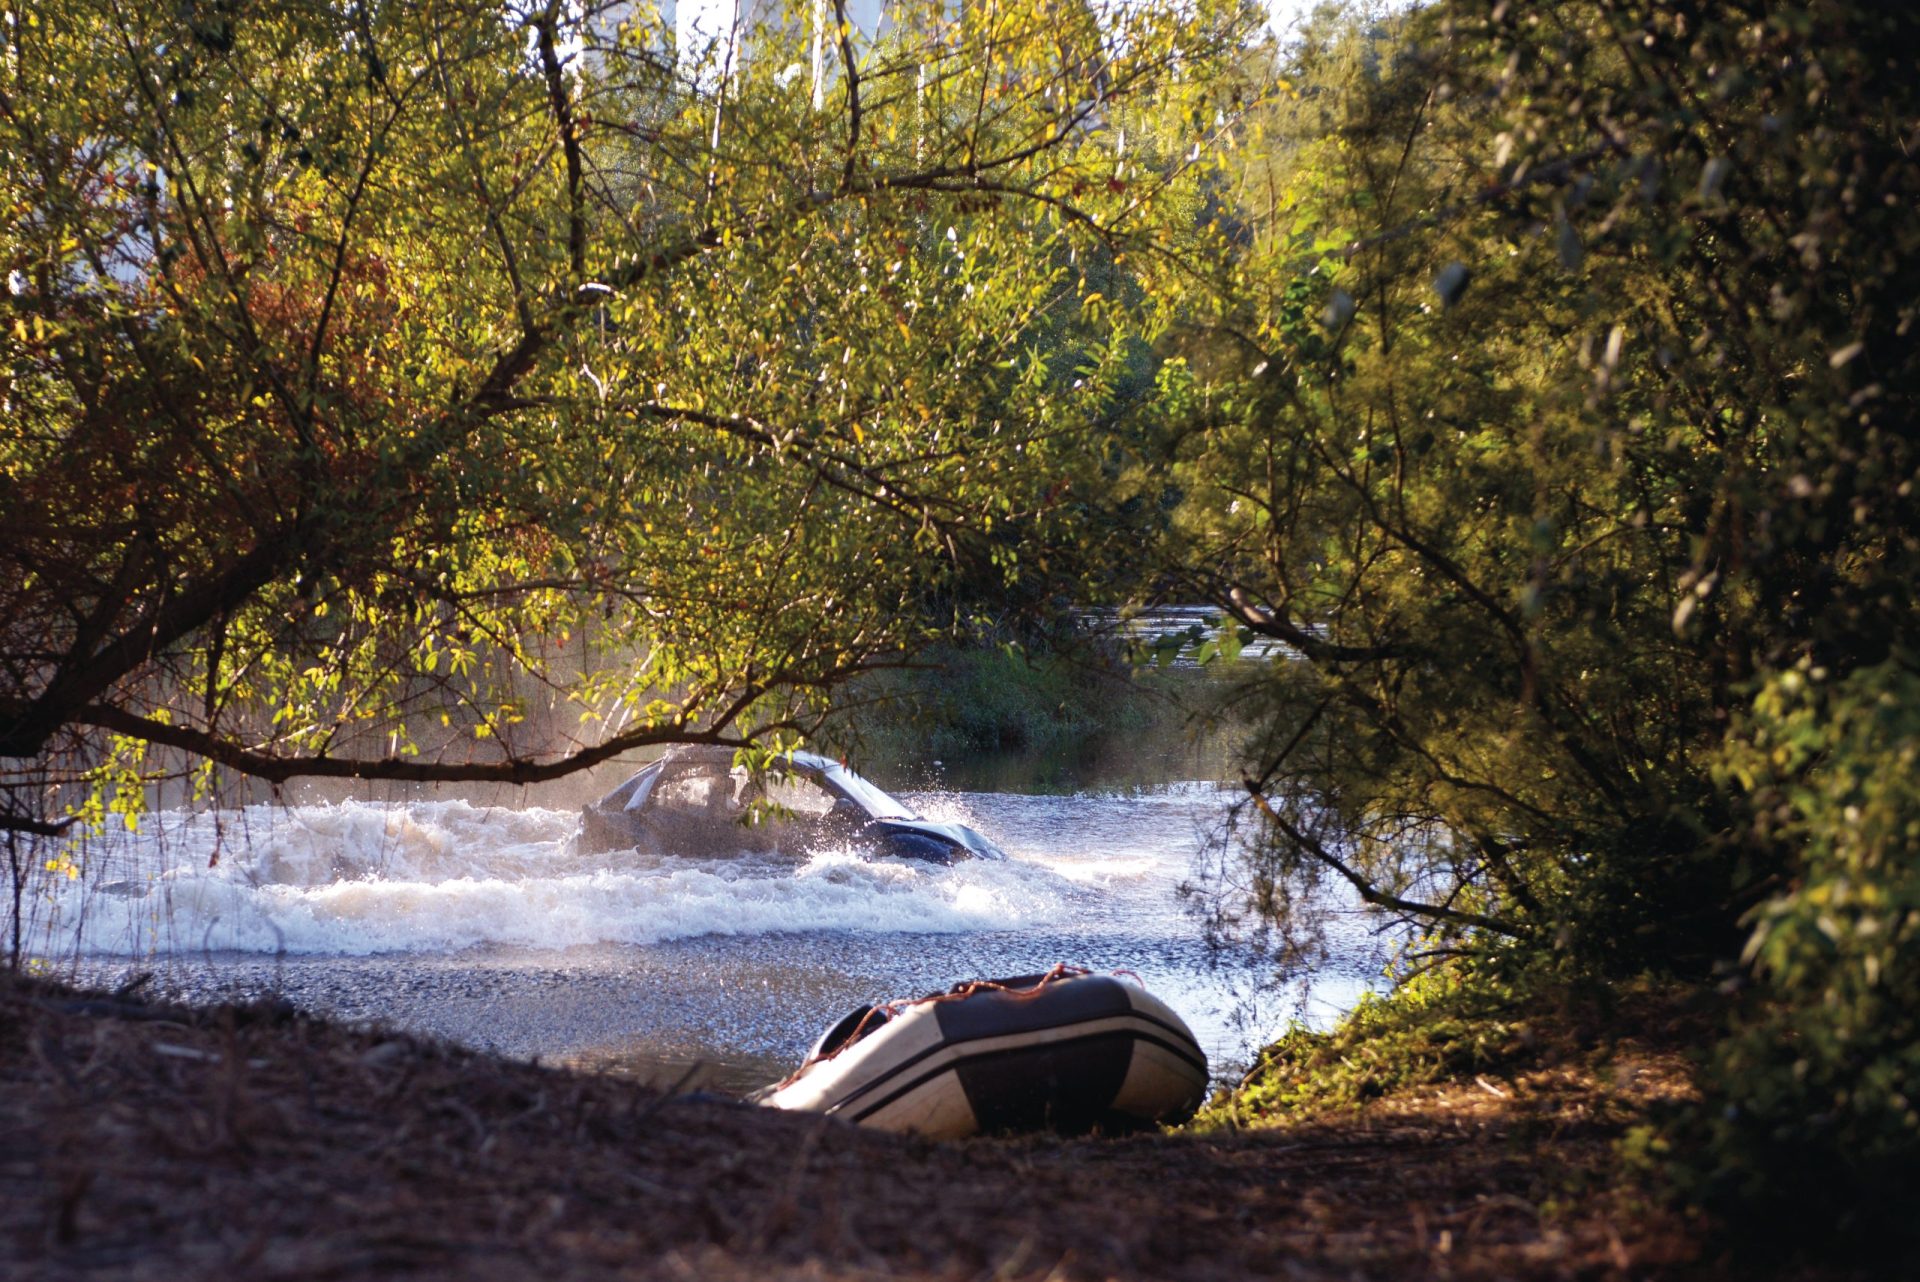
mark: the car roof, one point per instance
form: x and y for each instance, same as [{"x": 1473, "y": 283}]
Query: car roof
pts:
[
  {"x": 696, "y": 756},
  {"x": 710, "y": 754},
  {"x": 823, "y": 770}
]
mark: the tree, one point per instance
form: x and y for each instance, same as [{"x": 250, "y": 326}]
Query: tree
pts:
[
  {"x": 1560, "y": 419},
  {"x": 1510, "y": 431},
  {"x": 463, "y": 392}
]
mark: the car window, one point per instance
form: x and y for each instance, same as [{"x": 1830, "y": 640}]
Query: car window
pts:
[
  {"x": 801, "y": 796},
  {"x": 875, "y": 802},
  {"x": 691, "y": 792},
  {"x": 633, "y": 794}
]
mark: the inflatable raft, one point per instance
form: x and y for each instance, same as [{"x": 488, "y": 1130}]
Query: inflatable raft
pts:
[{"x": 1066, "y": 1051}]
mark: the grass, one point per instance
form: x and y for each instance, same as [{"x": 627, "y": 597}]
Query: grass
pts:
[
  {"x": 1454, "y": 1026},
  {"x": 1431, "y": 1030}
]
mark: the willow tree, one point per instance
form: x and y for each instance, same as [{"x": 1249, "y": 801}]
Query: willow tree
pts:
[{"x": 460, "y": 391}]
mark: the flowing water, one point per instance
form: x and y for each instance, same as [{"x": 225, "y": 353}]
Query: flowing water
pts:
[{"x": 482, "y": 925}]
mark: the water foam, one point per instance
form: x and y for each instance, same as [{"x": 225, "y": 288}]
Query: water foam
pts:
[{"x": 360, "y": 878}]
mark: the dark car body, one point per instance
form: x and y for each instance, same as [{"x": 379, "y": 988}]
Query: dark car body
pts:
[{"x": 695, "y": 801}]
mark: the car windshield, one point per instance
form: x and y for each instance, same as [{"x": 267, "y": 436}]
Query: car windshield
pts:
[{"x": 870, "y": 799}]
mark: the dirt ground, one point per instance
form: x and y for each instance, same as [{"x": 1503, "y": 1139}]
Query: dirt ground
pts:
[{"x": 152, "y": 1142}]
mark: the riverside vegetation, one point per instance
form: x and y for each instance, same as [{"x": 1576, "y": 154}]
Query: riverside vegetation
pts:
[
  {"x": 476, "y": 393},
  {"x": 1582, "y": 477}
]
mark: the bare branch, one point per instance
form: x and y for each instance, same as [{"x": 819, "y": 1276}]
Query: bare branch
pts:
[
  {"x": 563, "y": 120},
  {"x": 36, "y": 827},
  {"x": 845, "y": 32},
  {"x": 1366, "y": 889},
  {"x": 278, "y": 769}
]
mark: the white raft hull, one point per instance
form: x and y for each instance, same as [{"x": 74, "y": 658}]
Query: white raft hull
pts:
[{"x": 1069, "y": 1054}]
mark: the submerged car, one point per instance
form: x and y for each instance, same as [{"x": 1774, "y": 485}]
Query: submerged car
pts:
[{"x": 696, "y": 801}]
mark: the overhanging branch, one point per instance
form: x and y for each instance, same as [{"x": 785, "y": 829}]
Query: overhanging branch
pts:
[
  {"x": 1276, "y": 624},
  {"x": 1366, "y": 889},
  {"x": 278, "y": 769},
  {"x": 36, "y": 827}
]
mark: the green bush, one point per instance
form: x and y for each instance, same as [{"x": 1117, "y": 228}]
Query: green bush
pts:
[
  {"x": 1442, "y": 1025},
  {"x": 1814, "y": 1098}
]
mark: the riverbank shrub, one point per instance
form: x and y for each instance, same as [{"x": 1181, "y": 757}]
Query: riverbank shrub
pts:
[
  {"x": 1814, "y": 1097},
  {"x": 1535, "y": 436},
  {"x": 1466, "y": 1025},
  {"x": 1441, "y": 1026},
  {"x": 1559, "y": 415}
]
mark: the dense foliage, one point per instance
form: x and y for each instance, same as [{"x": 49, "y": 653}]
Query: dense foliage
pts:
[
  {"x": 1819, "y": 1082},
  {"x": 476, "y": 392},
  {"x": 1558, "y": 412}
]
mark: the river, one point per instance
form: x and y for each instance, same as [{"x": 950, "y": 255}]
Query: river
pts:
[{"x": 481, "y": 925}]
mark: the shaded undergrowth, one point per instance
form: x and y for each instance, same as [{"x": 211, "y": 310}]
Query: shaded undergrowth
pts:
[{"x": 1449, "y": 1026}]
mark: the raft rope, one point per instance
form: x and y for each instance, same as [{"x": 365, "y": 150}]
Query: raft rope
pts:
[{"x": 958, "y": 993}]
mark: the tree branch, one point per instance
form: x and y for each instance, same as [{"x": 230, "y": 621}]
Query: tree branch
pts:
[
  {"x": 277, "y": 769},
  {"x": 569, "y": 139},
  {"x": 1366, "y": 889},
  {"x": 1269, "y": 622},
  {"x": 26, "y": 727},
  {"x": 36, "y": 827},
  {"x": 845, "y": 32}
]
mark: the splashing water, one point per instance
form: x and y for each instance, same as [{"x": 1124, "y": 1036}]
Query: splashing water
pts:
[{"x": 485, "y": 925}]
